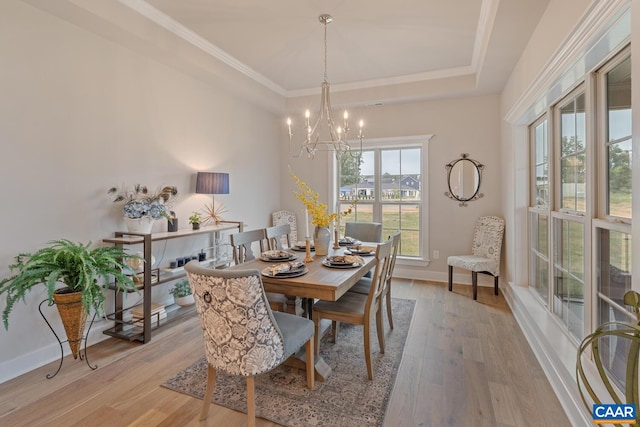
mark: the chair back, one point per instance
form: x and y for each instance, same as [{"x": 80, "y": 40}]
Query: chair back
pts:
[
  {"x": 381, "y": 273},
  {"x": 286, "y": 217},
  {"x": 241, "y": 336},
  {"x": 487, "y": 239},
  {"x": 242, "y": 244},
  {"x": 278, "y": 236},
  {"x": 364, "y": 231},
  {"x": 395, "y": 246}
]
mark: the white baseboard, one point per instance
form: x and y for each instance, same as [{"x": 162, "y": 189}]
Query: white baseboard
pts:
[
  {"x": 50, "y": 353},
  {"x": 555, "y": 351}
]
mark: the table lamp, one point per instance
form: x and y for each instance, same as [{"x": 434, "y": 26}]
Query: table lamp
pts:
[{"x": 213, "y": 183}]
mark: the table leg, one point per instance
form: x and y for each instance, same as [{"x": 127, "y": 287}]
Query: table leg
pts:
[{"x": 298, "y": 360}]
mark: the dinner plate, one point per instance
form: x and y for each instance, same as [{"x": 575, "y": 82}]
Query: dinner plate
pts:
[
  {"x": 276, "y": 255},
  {"x": 301, "y": 248},
  {"x": 286, "y": 274},
  {"x": 330, "y": 264},
  {"x": 291, "y": 257},
  {"x": 357, "y": 252},
  {"x": 348, "y": 241}
]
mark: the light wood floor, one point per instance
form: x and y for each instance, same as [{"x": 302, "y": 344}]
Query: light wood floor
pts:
[{"x": 466, "y": 363}]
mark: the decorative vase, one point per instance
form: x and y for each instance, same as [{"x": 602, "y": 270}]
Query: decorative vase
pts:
[
  {"x": 196, "y": 225},
  {"x": 172, "y": 226},
  {"x": 322, "y": 238},
  {"x": 139, "y": 225},
  {"x": 73, "y": 316},
  {"x": 185, "y": 301}
]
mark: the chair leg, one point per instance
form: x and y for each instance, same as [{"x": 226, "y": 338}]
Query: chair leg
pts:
[
  {"x": 450, "y": 278},
  {"x": 211, "y": 384},
  {"x": 316, "y": 336},
  {"x": 495, "y": 285},
  {"x": 367, "y": 348},
  {"x": 311, "y": 365},
  {"x": 251, "y": 403},
  {"x": 389, "y": 309},
  {"x": 334, "y": 330},
  {"x": 380, "y": 329},
  {"x": 474, "y": 284}
]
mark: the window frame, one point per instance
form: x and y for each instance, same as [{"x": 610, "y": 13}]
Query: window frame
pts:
[{"x": 416, "y": 141}]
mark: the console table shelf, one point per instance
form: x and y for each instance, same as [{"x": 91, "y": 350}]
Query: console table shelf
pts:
[{"x": 126, "y": 329}]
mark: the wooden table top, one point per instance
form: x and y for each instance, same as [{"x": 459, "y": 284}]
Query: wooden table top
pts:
[{"x": 320, "y": 282}]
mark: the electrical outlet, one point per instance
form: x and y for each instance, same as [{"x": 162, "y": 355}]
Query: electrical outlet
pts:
[{"x": 436, "y": 254}]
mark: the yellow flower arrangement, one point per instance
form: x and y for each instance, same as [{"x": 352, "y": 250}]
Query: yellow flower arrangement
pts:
[{"x": 317, "y": 209}]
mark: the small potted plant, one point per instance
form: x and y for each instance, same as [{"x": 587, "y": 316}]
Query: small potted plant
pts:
[
  {"x": 182, "y": 294},
  {"x": 195, "y": 220}
]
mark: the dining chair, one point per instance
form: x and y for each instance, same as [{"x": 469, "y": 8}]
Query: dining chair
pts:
[
  {"x": 359, "y": 309},
  {"x": 364, "y": 231},
  {"x": 278, "y": 236},
  {"x": 286, "y": 217},
  {"x": 242, "y": 244},
  {"x": 485, "y": 253},
  {"x": 242, "y": 336},
  {"x": 363, "y": 286}
]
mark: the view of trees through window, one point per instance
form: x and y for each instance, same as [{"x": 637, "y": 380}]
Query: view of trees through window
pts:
[{"x": 384, "y": 185}]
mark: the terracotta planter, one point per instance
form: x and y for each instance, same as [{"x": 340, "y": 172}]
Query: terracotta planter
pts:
[{"x": 73, "y": 316}]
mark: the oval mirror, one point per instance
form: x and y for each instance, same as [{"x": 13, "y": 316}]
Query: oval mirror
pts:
[{"x": 463, "y": 179}]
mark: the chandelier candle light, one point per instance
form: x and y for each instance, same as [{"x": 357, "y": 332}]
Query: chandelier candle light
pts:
[{"x": 337, "y": 135}]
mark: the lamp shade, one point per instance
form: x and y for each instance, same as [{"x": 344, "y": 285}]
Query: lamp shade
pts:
[{"x": 212, "y": 183}]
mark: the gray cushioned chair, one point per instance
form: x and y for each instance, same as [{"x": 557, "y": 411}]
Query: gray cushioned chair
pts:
[
  {"x": 234, "y": 314},
  {"x": 364, "y": 231}
]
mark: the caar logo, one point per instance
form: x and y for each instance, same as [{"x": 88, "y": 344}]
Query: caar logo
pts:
[{"x": 614, "y": 414}]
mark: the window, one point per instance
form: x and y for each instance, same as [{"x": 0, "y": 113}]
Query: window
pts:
[
  {"x": 566, "y": 230},
  {"x": 572, "y": 155},
  {"x": 386, "y": 183},
  {"x": 613, "y": 228},
  {"x": 539, "y": 212}
]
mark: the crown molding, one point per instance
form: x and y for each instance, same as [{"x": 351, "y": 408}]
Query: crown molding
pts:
[
  {"x": 170, "y": 24},
  {"x": 599, "y": 18}
]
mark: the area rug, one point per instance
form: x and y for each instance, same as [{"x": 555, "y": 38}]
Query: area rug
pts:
[{"x": 346, "y": 398}]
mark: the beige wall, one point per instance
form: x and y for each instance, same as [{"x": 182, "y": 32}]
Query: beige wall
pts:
[
  {"x": 80, "y": 114},
  {"x": 460, "y": 125}
]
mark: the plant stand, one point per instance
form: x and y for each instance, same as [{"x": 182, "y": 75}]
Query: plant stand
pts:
[{"x": 83, "y": 355}]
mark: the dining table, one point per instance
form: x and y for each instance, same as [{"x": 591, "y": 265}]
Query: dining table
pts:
[{"x": 319, "y": 282}]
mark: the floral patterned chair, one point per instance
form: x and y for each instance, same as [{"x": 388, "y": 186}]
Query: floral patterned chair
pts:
[
  {"x": 242, "y": 336},
  {"x": 485, "y": 258}
]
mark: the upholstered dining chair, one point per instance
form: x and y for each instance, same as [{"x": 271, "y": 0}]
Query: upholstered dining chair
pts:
[
  {"x": 364, "y": 285},
  {"x": 242, "y": 336},
  {"x": 286, "y": 217},
  {"x": 359, "y": 309},
  {"x": 242, "y": 244},
  {"x": 278, "y": 236},
  {"x": 364, "y": 231},
  {"x": 485, "y": 253}
]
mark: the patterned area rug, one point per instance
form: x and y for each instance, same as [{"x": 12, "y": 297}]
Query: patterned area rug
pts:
[{"x": 347, "y": 398}]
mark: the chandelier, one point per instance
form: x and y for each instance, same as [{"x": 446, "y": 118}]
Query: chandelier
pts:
[{"x": 333, "y": 137}]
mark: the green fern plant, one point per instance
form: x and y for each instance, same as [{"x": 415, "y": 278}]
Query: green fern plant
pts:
[{"x": 75, "y": 265}]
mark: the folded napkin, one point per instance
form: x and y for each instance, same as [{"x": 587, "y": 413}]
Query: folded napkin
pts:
[{"x": 285, "y": 267}]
